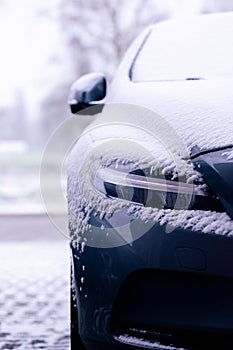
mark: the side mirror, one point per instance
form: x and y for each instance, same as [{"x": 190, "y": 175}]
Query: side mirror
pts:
[{"x": 87, "y": 91}]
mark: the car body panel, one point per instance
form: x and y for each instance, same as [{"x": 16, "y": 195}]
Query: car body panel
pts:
[
  {"x": 158, "y": 278},
  {"x": 115, "y": 282}
]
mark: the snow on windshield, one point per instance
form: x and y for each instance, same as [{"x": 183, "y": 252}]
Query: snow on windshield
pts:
[{"x": 189, "y": 49}]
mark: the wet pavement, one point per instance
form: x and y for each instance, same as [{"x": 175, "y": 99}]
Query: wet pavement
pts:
[{"x": 34, "y": 289}]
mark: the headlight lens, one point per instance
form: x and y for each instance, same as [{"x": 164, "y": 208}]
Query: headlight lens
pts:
[{"x": 158, "y": 192}]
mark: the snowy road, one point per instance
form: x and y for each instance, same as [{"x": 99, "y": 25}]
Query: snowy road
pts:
[{"x": 34, "y": 289}]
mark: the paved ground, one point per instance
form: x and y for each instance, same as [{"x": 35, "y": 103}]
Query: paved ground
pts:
[
  {"x": 28, "y": 228},
  {"x": 34, "y": 285}
]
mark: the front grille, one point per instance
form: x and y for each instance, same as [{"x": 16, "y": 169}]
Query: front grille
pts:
[{"x": 174, "y": 309}]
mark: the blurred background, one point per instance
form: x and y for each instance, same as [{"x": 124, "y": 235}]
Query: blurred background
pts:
[{"x": 44, "y": 47}]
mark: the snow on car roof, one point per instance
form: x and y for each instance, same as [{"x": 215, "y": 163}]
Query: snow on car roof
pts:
[{"x": 198, "y": 48}]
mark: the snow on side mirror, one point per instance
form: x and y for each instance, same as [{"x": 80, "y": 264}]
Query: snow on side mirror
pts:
[{"x": 87, "y": 91}]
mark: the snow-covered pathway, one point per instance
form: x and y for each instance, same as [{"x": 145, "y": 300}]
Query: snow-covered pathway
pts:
[{"x": 34, "y": 295}]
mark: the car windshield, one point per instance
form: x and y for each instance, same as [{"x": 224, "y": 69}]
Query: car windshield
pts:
[{"x": 190, "y": 49}]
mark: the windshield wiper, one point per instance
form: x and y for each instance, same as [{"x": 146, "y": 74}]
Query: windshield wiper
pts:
[{"x": 194, "y": 78}]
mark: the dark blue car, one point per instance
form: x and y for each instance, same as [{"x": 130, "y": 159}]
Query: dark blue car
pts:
[{"x": 150, "y": 194}]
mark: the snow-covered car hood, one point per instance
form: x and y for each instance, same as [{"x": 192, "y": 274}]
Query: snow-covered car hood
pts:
[{"x": 200, "y": 111}]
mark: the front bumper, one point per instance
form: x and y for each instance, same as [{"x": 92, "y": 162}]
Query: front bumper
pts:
[{"x": 174, "y": 289}]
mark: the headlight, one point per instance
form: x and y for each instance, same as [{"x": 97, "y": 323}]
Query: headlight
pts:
[{"x": 158, "y": 192}]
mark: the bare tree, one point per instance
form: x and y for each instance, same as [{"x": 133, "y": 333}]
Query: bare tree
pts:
[
  {"x": 97, "y": 33},
  {"x": 94, "y": 36}
]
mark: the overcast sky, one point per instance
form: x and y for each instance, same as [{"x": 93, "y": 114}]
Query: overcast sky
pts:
[{"x": 25, "y": 42}]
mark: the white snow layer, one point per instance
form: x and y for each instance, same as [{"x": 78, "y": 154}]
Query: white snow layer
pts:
[
  {"x": 199, "y": 111},
  {"x": 179, "y": 115},
  {"x": 190, "y": 48},
  {"x": 228, "y": 154},
  {"x": 129, "y": 145},
  {"x": 127, "y": 339}
]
